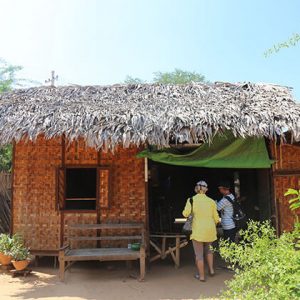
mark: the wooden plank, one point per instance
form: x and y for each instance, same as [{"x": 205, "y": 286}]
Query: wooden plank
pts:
[
  {"x": 177, "y": 253},
  {"x": 101, "y": 254},
  {"x": 79, "y": 211},
  {"x": 167, "y": 235},
  {"x": 163, "y": 247},
  {"x": 169, "y": 251},
  {"x": 142, "y": 264},
  {"x": 44, "y": 252},
  {"x": 12, "y": 190},
  {"x": 155, "y": 247},
  {"x": 107, "y": 226},
  {"x": 172, "y": 254},
  {"x": 286, "y": 172},
  {"x": 105, "y": 238},
  {"x": 79, "y": 199}
]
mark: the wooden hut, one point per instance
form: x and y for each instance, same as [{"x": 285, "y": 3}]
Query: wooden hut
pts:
[{"x": 75, "y": 147}]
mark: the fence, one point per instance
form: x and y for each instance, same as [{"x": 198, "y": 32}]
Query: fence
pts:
[{"x": 5, "y": 199}]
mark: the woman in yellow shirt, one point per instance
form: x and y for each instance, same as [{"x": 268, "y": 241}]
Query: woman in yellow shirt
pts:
[{"x": 204, "y": 232}]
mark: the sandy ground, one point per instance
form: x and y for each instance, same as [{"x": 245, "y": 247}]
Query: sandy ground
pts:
[{"x": 95, "y": 280}]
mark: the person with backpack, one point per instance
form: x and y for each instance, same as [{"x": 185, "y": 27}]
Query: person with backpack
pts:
[
  {"x": 225, "y": 207},
  {"x": 204, "y": 216}
]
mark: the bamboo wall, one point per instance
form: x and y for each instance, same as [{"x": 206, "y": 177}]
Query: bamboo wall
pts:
[
  {"x": 35, "y": 212},
  {"x": 286, "y": 174}
]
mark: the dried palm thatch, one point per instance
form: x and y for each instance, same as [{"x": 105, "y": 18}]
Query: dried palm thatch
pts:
[{"x": 107, "y": 116}]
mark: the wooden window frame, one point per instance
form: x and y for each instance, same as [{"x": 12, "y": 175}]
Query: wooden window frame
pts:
[
  {"x": 62, "y": 206},
  {"x": 105, "y": 168}
]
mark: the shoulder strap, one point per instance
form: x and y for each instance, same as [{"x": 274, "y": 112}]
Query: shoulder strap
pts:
[
  {"x": 191, "y": 201},
  {"x": 229, "y": 199}
]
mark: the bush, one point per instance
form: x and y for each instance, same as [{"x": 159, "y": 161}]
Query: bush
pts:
[{"x": 266, "y": 267}]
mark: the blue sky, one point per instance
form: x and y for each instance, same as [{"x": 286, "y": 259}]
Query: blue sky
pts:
[{"x": 100, "y": 42}]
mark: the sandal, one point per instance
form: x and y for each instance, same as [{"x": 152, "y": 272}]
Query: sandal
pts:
[{"x": 197, "y": 276}]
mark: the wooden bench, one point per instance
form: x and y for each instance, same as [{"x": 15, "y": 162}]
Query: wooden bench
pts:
[{"x": 68, "y": 254}]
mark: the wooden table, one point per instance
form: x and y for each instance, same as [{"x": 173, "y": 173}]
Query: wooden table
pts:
[{"x": 163, "y": 249}]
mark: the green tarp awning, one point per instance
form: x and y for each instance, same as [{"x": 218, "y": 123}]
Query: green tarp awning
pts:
[{"x": 224, "y": 152}]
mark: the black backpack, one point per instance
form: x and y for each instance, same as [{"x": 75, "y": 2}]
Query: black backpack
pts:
[{"x": 239, "y": 217}]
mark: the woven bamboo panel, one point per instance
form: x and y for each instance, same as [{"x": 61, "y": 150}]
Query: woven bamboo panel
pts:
[
  {"x": 282, "y": 183},
  {"x": 127, "y": 203},
  {"x": 35, "y": 213},
  {"x": 34, "y": 202},
  {"x": 287, "y": 159},
  {"x": 127, "y": 195},
  {"x": 286, "y": 156},
  {"x": 80, "y": 218},
  {"x": 77, "y": 153}
]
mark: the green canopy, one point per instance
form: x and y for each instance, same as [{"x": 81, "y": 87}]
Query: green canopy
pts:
[{"x": 224, "y": 152}]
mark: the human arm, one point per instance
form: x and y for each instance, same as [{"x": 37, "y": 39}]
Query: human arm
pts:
[
  {"x": 188, "y": 209},
  {"x": 215, "y": 214},
  {"x": 221, "y": 204}
]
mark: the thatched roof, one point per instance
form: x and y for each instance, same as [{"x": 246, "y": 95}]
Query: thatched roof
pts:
[{"x": 156, "y": 114}]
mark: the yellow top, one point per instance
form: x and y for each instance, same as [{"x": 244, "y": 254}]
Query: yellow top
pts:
[{"x": 205, "y": 218}]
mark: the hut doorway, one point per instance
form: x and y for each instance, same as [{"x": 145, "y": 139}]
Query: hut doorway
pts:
[{"x": 170, "y": 186}]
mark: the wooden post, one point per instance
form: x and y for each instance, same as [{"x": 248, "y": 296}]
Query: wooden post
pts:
[
  {"x": 61, "y": 266},
  {"x": 142, "y": 263},
  {"x": 177, "y": 252},
  {"x": 163, "y": 248}
]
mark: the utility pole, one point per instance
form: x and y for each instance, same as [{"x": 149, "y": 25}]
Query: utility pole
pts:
[{"x": 52, "y": 79}]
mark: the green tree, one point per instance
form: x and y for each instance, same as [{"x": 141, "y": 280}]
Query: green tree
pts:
[
  {"x": 133, "y": 80},
  {"x": 177, "y": 76},
  {"x": 8, "y": 76},
  {"x": 8, "y": 80}
]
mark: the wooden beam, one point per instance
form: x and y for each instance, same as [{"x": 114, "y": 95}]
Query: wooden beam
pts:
[
  {"x": 12, "y": 190},
  {"x": 286, "y": 172},
  {"x": 108, "y": 226}
]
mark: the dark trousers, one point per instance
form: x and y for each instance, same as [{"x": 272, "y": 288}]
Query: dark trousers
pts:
[{"x": 229, "y": 234}]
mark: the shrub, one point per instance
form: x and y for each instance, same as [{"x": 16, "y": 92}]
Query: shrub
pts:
[{"x": 266, "y": 267}]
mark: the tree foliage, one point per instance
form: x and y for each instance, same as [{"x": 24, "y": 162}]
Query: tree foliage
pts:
[
  {"x": 177, "y": 76},
  {"x": 133, "y": 80},
  {"x": 291, "y": 42},
  {"x": 6, "y": 158},
  {"x": 7, "y": 81},
  {"x": 7, "y": 75}
]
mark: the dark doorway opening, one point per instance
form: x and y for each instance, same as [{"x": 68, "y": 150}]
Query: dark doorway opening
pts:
[{"x": 170, "y": 187}]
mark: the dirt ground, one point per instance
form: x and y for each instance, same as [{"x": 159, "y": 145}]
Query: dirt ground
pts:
[{"x": 111, "y": 281}]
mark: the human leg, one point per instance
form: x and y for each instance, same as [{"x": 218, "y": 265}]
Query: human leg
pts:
[
  {"x": 209, "y": 257},
  {"x": 199, "y": 256}
]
